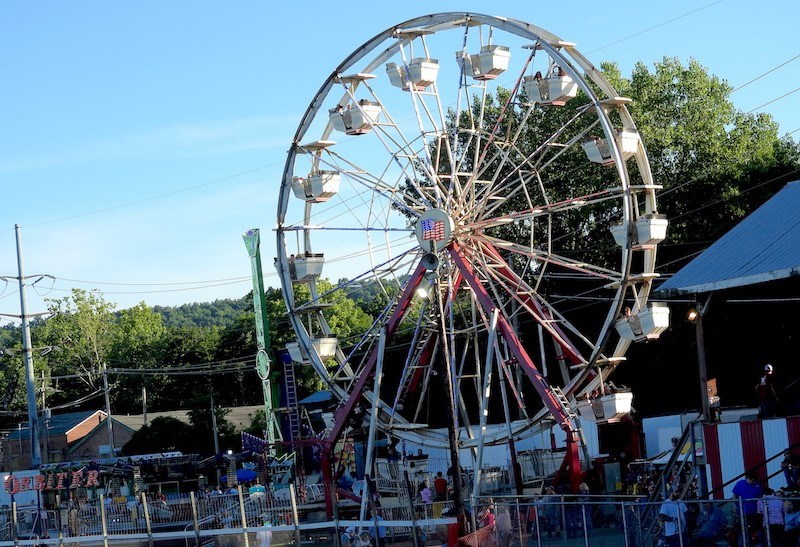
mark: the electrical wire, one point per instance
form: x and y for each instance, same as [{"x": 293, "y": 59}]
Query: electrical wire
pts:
[
  {"x": 49, "y": 290},
  {"x": 76, "y": 402},
  {"x": 751, "y": 188},
  {"x": 154, "y": 284},
  {"x": 773, "y": 100},
  {"x": 773, "y": 69},
  {"x": 655, "y": 26},
  {"x": 166, "y": 369},
  {"x": 165, "y": 290},
  {"x": 153, "y": 198}
]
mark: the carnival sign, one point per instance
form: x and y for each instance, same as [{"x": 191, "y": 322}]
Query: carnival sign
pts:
[{"x": 52, "y": 481}]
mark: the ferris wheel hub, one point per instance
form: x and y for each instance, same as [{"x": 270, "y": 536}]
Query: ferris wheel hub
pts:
[{"x": 434, "y": 230}]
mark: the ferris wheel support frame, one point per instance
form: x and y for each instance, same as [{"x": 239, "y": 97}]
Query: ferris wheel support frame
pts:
[
  {"x": 556, "y": 408},
  {"x": 571, "y": 463},
  {"x": 356, "y": 393}
]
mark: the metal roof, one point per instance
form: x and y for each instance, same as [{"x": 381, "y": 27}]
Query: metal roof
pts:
[
  {"x": 240, "y": 417},
  {"x": 59, "y": 424},
  {"x": 765, "y": 246}
]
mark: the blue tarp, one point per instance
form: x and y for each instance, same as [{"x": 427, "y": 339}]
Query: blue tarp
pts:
[
  {"x": 242, "y": 475},
  {"x": 323, "y": 396}
]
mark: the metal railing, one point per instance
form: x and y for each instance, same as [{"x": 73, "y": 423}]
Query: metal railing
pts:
[
  {"x": 236, "y": 519},
  {"x": 620, "y": 520},
  {"x": 229, "y": 519}
]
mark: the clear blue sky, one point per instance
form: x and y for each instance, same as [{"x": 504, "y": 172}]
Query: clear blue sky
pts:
[{"x": 139, "y": 140}]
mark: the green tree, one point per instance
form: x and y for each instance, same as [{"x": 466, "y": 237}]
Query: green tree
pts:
[
  {"x": 162, "y": 434},
  {"x": 701, "y": 147},
  {"x": 139, "y": 338},
  {"x": 202, "y": 441},
  {"x": 346, "y": 319},
  {"x": 82, "y": 328},
  {"x": 258, "y": 425},
  {"x": 184, "y": 346}
]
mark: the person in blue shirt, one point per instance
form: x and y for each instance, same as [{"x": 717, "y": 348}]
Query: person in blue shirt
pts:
[
  {"x": 257, "y": 488},
  {"x": 792, "y": 523},
  {"x": 380, "y": 536},
  {"x": 748, "y": 490}
]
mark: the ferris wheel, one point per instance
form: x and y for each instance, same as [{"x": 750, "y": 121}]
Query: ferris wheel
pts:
[{"x": 485, "y": 187}]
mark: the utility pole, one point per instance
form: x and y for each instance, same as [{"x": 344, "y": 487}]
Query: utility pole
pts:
[
  {"x": 216, "y": 433},
  {"x": 697, "y": 319},
  {"x": 109, "y": 425},
  {"x": 27, "y": 355}
]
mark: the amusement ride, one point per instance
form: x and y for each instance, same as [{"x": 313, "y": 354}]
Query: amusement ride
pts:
[{"x": 488, "y": 183}]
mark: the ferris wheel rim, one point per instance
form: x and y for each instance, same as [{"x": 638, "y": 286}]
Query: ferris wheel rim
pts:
[{"x": 504, "y": 24}]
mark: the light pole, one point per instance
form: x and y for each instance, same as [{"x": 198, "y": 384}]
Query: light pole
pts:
[
  {"x": 695, "y": 316},
  {"x": 46, "y": 414}
]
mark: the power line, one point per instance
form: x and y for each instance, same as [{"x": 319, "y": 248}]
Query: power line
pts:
[
  {"x": 716, "y": 202},
  {"x": 165, "y": 290},
  {"x": 655, "y": 26},
  {"x": 215, "y": 367},
  {"x": 152, "y": 198},
  {"x": 772, "y": 101},
  {"x": 153, "y": 284},
  {"x": 773, "y": 69}
]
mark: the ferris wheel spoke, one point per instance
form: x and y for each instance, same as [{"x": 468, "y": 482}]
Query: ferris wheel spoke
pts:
[
  {"x": 404, "y": 154},
  {"x": 539, "y": 159},
  {"x": 561, "y": 206},
  {"x": 374, "y": 185},
  {"x": 517, "y": 289},
  {"x": 590, "y": 270},
  {"x": 505, "y": 110}
]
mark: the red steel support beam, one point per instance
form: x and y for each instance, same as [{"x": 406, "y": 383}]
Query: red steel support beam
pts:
[
  {"x": 341, "y": 414},
  {"x": 540, "y": 384},
  {"x": 506, "y": 272}
]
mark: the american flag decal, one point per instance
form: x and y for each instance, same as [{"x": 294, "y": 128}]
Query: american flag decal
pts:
[{"x": 432, "y": 230}]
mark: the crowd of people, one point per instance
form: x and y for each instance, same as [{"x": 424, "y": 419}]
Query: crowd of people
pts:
[{"x": 768, "y": 517}]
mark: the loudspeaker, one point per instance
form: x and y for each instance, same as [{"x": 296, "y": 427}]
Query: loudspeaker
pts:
[{"x": 430, "y": 261}]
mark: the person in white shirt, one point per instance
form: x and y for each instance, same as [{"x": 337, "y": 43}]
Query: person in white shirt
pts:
[
  {"x": 264, "y": 536},
  {"x": 673, "y": 516}
]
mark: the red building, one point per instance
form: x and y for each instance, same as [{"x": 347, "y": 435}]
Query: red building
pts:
[{"x": 71, "y": 436}]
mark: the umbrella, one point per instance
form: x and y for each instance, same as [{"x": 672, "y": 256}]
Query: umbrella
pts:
[{"x": 243, "y": 475}]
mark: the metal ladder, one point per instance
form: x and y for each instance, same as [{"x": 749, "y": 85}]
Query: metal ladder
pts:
[
  {"x": 564, "y": 401},
  {"x": 291, "y": 400}
]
